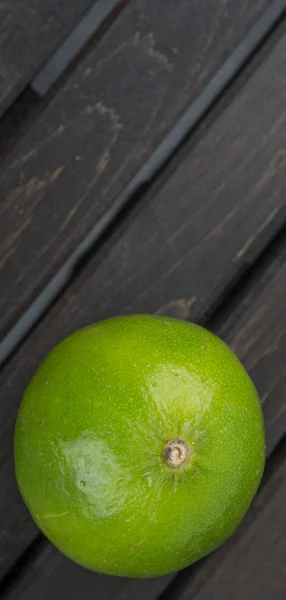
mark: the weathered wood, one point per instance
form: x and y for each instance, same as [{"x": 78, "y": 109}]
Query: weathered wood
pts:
[
  {"x": 101, "y": 127},
  {"x": 69, "y": 581},
  {"x": 174, "y": 253},
  {"x": 29, "y": 32},
  {"x": 254, "y": 323}
]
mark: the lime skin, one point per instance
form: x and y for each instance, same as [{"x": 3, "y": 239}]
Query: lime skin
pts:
[{"x": 139, "y": 445}]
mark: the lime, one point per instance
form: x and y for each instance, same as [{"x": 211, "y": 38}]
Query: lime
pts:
[{"x": 139, "y": 445}]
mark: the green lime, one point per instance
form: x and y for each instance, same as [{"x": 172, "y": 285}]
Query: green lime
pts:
[{"x": 139, "y": 445}]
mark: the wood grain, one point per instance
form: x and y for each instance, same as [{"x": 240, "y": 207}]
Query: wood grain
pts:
[
  {"x": 254, "y": 324},
  {"x": 210, "y": 214},
  {"x": 56, "y": 577},
  {"x": 30, "y": 31},
  {"x": 101, "y": 127}
]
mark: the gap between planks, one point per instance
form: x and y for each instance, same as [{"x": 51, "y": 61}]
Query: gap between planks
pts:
[{"x": 146, "y": 174}]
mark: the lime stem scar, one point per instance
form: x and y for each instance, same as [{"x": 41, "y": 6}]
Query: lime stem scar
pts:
[{"x": 176, "y": 452}]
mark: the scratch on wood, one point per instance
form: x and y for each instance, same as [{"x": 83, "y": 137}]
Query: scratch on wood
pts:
[
  {"x": 104, "y": 111},
  {"x": 279, "y": 414},
  {"x": 279, "y": 123},
  {"x": 155, "y": 111},
  {"x": 247, "y": 345},
  {"x": 237, "y": 343},
  {"x": 273, "y": 385},
  {"x": 32, "y": 187},
  {"x": 55, "y": 174},
  {"x": 115, "y": 52},
  {"x": 9, "y": 246},
  {"x": 136, "y": 38},
  {"x": 268, "y": 175},
  {"x": 118, "y": 174},
  {"x": 57, "y": 132},
  {"x": 154, "y": 53},
  {"x": 126, "y": 162},
  {"x": 116, "y": 125},
  {"x": 253, "y": 237},
  {"x": 278, "y": 161},
  {"x": 103, "y": 162},
  {"x": 180, "y": 308},
  {"x": 220, "y": 14},
  {"x": 24, "y": 159},
  {"x": 216, "y": 230},
  {"x": 272, "y": 346},
  {"x": 111, "y": 113}
]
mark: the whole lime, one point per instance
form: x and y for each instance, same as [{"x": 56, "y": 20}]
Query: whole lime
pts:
[{"x": 139, "y": 445}]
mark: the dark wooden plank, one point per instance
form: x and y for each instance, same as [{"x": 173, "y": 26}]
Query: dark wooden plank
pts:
[
  {"x": 101, "y": 127},
  {"x": 30, "y": 31},
  {"x": 54, "y": 576},
  {"x": 175, "y": 252},
  {"x": 254, "y": 323}
]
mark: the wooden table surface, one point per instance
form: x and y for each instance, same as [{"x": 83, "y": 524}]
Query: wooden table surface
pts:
[{"x": 151, "y": 177}]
